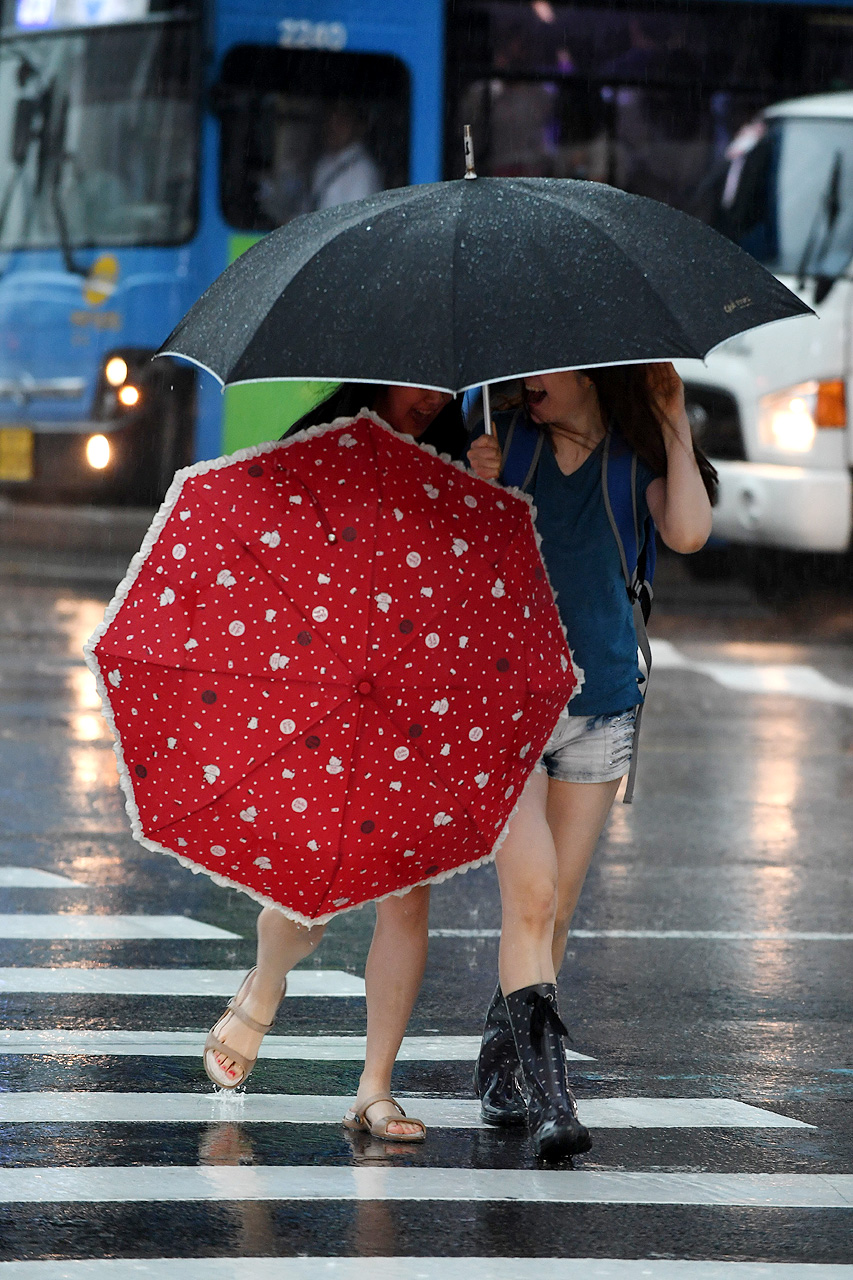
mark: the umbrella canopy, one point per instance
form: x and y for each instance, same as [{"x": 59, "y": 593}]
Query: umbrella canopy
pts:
[
  {"x": 455, "y": 284},
  {"x": 331, "y": 668}
]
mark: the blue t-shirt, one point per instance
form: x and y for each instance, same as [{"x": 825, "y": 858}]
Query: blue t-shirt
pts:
[{"x": 582, "y": 559}]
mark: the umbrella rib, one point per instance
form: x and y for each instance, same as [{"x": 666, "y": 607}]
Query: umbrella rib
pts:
[
  {"x": 431, "y": 768},
  {"x": 356, "y": 749},
  {"x": 548, "y": 197},
  {"x": 357, "y": 218},
  {"x": 215, "y": 799},
  {"x": 278, "y": 584},
  {"x": 208, "y": 671}
]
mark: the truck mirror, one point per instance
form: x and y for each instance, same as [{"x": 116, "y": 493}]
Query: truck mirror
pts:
[{"x": 22, "y": 129}]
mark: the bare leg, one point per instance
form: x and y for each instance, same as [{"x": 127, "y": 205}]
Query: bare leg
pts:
[
  {"x": 577, "y": 812},
  {"x": 282, "y": 943},
  {"x": 527, "y": 872},
  {"x": 392, "y": 977}
]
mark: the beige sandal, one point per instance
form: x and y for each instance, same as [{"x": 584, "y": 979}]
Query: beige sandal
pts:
[
  {"x": 358, "y": 1120},
  {"x": 213, "y": 1044}
]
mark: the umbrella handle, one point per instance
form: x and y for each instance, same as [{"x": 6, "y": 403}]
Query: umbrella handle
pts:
[{"x": 487, "y": 411}]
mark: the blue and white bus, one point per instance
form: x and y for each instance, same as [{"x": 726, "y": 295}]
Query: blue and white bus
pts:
[{"x": 145, "y": 143}]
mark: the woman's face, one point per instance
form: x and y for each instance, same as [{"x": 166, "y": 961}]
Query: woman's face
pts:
[
  {"x": 558, "y": 397},
  {"x": 410, "y": 410}
]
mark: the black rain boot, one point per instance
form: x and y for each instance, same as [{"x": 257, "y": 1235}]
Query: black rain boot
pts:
[
  {"x": 552, "y": 1111},
  {"x": 496, "y": 1072}
]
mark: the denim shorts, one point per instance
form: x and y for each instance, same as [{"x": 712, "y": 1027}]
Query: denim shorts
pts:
[{"x": 590, "y": 748}]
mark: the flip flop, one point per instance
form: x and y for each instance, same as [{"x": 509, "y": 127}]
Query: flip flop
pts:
[{"x": 357, "y": 1120}]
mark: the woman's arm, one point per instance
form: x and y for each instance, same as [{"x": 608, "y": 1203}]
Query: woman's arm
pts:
[{"x": 678, "y": 502}]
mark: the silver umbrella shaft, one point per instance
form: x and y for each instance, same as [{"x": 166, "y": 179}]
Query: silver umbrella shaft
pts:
[{"x": 487, "y": 411}]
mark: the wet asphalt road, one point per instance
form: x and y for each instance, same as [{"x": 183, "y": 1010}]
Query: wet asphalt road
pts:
[{"x": 711, "y": 964}]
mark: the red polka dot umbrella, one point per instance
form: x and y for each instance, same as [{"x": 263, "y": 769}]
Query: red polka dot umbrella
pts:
[{"x": 331, "y": 668}]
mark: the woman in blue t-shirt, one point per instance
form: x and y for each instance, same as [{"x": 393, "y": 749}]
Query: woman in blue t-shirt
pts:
[{"x": 544, "y": 859}]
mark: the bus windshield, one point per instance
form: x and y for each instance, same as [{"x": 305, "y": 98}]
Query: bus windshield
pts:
[
  {"x": 788, "y": 195},
  {"x": 98, "y": 137}
]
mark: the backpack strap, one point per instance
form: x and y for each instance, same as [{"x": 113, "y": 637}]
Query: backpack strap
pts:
[
  {"x": 636, "y": 555},
  {"x": 521, "y": 452}
]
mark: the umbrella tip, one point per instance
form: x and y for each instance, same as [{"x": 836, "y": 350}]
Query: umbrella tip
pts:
[{"x": 470, "y": 172}]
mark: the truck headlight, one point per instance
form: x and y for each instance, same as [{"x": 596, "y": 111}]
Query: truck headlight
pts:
[{"x": 789, "y": 419}]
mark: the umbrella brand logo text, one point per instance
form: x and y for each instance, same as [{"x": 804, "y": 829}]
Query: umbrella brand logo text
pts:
[{"x": 737, "y": 304}]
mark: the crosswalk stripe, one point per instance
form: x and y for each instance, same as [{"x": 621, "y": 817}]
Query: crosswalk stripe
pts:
[
  {"x": 80, "y": 926},
  {"x": 140, "y": 1183},
  {"x": 281, "y": 1108},
  {"x": 33, "y": 878},
  {"x": 686, "y": 935},
  {"x": 793, "y": 679},
  {"x": 376, "y": 1268},
  {"x": 74, "y": 980},
  {"x": 187, "y": 1044}
]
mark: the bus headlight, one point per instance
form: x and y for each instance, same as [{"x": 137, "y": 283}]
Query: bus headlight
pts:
[
  {"x": 789, "y": 419},
  {"x": 98, "y": 452},
  {"x": 129, "y": 395},
  {"x": 116, "y": 371}
]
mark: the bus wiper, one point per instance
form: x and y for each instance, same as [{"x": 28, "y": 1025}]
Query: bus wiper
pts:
[
  {"x": 829, "y": 207},
  {"x": 22, "y": 138},
  {"x": 72, "y": 267}
]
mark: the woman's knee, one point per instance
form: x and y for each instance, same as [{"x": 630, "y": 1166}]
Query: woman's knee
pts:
[
  {"x": 409, "y": 912},
  {"x": 281, "y": 931},
  {"x": 533, "y": 903}
]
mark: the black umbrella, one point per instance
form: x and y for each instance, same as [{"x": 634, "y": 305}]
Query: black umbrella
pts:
[{"x": 454, "y": 284}]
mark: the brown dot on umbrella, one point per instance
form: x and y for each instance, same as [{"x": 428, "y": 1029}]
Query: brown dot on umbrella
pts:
[
  {"x": 349, "y": 534},
  {"x": 431, "y": 871},
  {"x": 304, "y": 637},
  {"x": 406, "y": 626},
  {"x": 312, "y": 743},
  {"x": 209, "y": 697},
  {"x": 502, "y": 664},
  {"x": 141, "y": 771},
  {"x": 367, "y": 827},
  {"x": 538, "y": 574},
  {"x": 415, "y": 730},
  {"x": 256, "y": 470}
]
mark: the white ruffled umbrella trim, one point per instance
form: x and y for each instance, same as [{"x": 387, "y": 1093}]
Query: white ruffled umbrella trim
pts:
[{"x": 124, "y": 587}]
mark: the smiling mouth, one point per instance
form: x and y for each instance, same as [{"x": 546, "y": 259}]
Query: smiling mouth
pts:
[{"x": 534, "y": 398}]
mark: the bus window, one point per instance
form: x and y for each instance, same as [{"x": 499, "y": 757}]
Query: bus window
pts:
[
  {"x": 98, "y": 133},
  {"x": 305, "y": 129},
  {"x": 644, "y": 97}
]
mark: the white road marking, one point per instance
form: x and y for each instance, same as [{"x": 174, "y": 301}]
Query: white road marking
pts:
[
  {"x": 74, "y": 980},
  {"x": 374, "y": 1268},
  {"x": 32, "y": 878},
  {"x": 141, "y": 1183},
  {"x": 283, "y": 1108},
  {"x": 687, "y": 935},
  {"x": 82, "y": 927},
  {"x": 793, "y": 679},
  {"x": 187, "y": 1044}
]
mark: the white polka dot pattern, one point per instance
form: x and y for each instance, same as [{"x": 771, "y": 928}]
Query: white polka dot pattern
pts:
[{"x": 327, "y": 691}]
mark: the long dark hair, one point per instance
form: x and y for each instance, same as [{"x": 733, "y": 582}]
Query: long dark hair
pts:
[
  {"x": 446, "y": 433},
  {"x": 626, "y": 395}
]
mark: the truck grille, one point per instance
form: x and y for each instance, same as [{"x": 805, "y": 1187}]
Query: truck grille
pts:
[{"x": 715, "y": 421}]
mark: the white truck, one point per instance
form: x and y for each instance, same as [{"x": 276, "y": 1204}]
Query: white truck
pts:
[{"x": 774, "y": 407}]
